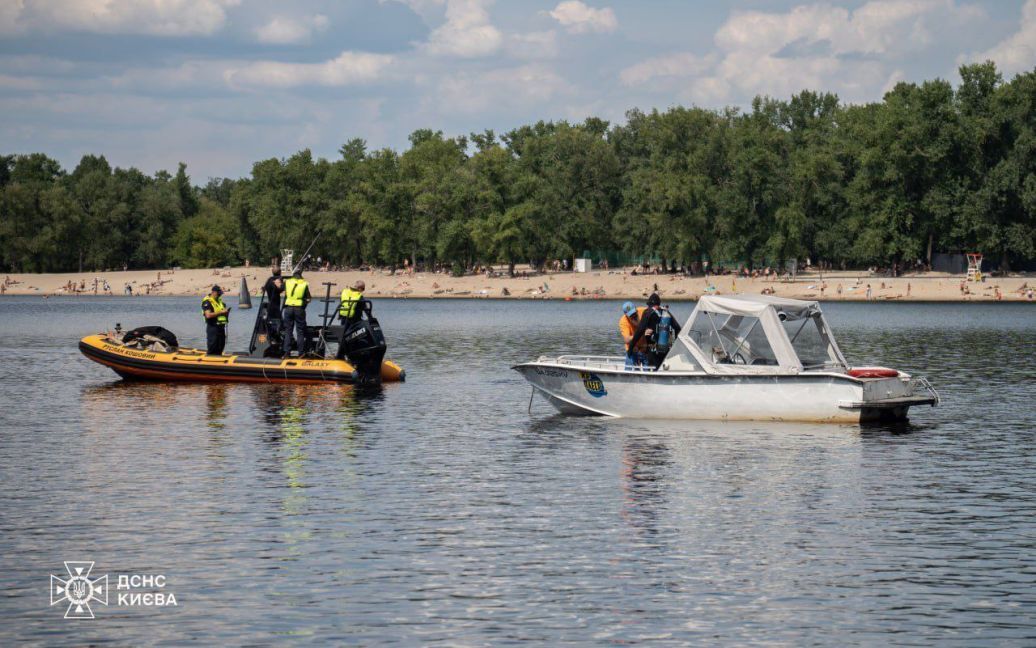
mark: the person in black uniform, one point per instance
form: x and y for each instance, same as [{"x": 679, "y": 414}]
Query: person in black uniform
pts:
[
  {"x": 648, "y": 328},
  {"x": 216, "y": 315},
  {"x": 273, "y": 288}
]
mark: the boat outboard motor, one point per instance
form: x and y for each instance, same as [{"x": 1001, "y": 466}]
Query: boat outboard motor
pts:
[
  {"x": 266, "y": 334},
  {"x": 363, "y": 344}
]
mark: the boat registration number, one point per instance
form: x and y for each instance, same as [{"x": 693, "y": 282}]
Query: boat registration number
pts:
[{"x": 553, "y": 373}]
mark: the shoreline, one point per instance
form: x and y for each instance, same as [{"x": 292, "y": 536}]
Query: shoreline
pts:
[
  {"x": 621, "y": 284},
  {"x": 665, "y": 300}
]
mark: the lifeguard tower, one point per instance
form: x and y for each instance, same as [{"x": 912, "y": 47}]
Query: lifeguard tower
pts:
[
  {"x": 974, "y": 266},
  {"x": 286, "y": 262}
]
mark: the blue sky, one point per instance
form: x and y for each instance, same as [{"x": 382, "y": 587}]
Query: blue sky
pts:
[{"x": 220, "y": 84}]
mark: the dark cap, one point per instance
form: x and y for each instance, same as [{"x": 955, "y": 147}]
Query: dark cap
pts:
[
  {"x": 297, "y": 272},
  {"x": 217, "y": 290},
  {"x": 276, "y": 272},
  {"x": 654, "y": 300}
]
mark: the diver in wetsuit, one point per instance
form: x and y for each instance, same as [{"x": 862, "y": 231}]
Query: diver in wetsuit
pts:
[{"x": 648, "y": 328}]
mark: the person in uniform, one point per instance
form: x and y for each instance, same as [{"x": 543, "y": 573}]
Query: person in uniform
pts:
[
  {"x": 349, "y": 311},
  {"x": 296, "y": 298},
  {"x": 216, "y": 315},
  {"x": 273, "y": 288}
]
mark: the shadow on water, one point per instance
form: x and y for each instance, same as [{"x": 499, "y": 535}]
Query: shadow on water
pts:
[{"x": 877, "y": 429}]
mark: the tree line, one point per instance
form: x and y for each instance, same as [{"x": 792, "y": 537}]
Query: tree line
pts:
[{"x": 929, "y": 168}]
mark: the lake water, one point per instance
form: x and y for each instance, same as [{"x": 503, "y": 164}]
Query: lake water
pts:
[{"x": 439, "y": 510}]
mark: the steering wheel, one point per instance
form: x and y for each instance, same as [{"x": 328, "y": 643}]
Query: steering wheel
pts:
[{"x": 739, "y": 359}]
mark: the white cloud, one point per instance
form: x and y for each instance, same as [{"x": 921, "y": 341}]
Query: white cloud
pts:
[
  {"x": 10, "y": 12},
  {"x": 578, "y": 18},
  {"x": 422, "y": 8},
  {"x": 878, "y": 27},
  {"x": 349, "y": 68},
  {"x": 8, "y": 82},
  {"x": 152, "y": 17},
  {"x": 681, "y": 64},
  {"x": 192, "y": 75},
  {"x": 522, "y": 86},
  {"x": 815, "y": 46},
  {"x": 1018, "y": 52},
  {"x": 750, "y": 75},
  {"x": 533, "y": 45},
  {"x": 467, "y": 32},
  {"x": 282, "y": 30},
  {"x": 893, "y": 79},
  {"x": 829, "y": 48}
]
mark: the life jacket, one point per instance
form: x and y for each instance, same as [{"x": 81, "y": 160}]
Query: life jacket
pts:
[
  {"x": 217, "y": 305},
  {"x": 642, "y": 343},
  {"x": 295, "y": 291},
  {"x": 350, "y": 299}
]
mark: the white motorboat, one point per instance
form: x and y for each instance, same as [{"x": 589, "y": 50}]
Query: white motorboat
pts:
[{"x": 751, "y": 357}]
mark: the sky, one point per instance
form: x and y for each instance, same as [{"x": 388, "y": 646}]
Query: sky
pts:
[{"x": 222, "y": 84}]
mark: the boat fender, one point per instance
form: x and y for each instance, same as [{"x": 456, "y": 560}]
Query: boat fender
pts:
[{"x": 872, "y": 372}]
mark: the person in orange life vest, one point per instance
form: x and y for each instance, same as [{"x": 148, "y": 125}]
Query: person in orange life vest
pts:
[{"x": 636, "y": 356}]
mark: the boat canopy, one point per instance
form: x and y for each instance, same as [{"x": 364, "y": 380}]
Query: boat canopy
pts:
[{"x": 756, "y": 334}]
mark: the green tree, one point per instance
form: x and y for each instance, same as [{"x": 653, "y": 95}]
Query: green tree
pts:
[{"x": 206, "y": 239}]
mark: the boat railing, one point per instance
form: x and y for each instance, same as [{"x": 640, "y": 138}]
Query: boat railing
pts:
[
  {"x": 595, "y": 362},
  {"x": 920, "y": 382}
]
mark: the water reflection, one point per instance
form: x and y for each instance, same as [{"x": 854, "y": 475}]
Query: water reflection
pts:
[
  {"x": 119, "y": 395},
  {"x": 644, "y": 478},
  {"x": 216, "y": 407},
  {"x": 439, "y": 510}
]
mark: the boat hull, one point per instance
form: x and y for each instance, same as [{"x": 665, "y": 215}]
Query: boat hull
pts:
[
  {"x": 193, "y": 365},
  {"x": 820, "y": 397}
]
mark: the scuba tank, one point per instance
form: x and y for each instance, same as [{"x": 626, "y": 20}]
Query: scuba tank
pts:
[{"x": 665, "y": 331}]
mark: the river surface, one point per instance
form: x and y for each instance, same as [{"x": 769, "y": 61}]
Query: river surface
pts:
[{"x": 440, "y": 510}]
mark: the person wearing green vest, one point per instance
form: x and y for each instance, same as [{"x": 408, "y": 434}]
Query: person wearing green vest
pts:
[
  {"x": 216, "y": 315},
  {"x": 349, "y": 311},
  {"x": 296, "y": 298}
]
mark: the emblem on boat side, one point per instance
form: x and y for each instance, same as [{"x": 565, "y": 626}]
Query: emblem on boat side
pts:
[{"x": 593, "y": 383}]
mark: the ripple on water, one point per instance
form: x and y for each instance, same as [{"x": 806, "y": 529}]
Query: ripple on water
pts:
[{"x": 439, "y": 510}]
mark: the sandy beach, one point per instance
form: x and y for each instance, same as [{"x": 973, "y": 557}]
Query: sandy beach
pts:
[{"x": 597, "y": 284}]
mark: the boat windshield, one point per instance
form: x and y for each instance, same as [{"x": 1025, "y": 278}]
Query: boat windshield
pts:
[
  {"x": 789, "y": 335},
  {"x": 732, "y": 339},
  {"x": 812, "y": 344}
]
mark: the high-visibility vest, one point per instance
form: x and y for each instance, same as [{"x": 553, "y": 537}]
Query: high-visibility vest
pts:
[
  {"x": 217, "y": 306},
  {"x": 295, "y": 291},
  {"x": 350, "y": 298}
]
